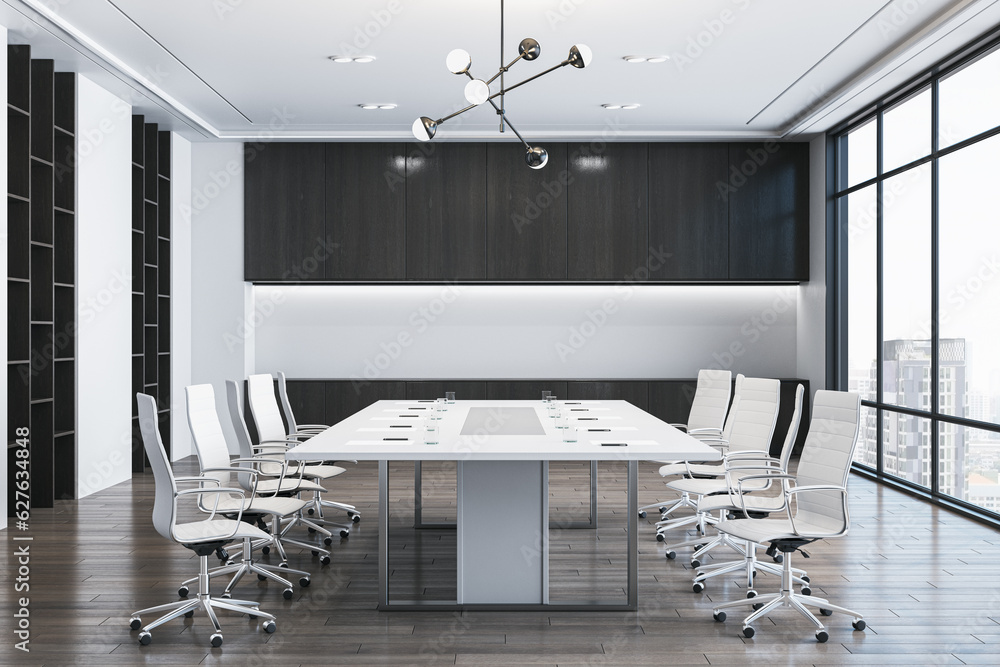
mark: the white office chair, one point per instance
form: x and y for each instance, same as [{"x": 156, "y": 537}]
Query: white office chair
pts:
[
  {"x": 818, "y": 492},
  {"x": 720, "y": 495},
  {"x": 271, "y": 430},
  {"x": 203, "y": 537},
  {"x": 290, "y": 485},
  {"x": 749, "y": 428},
  {"x": 213, "y": 456},
  {"x": 707, "y": 417},
  {"x": 309, "y": 430}
]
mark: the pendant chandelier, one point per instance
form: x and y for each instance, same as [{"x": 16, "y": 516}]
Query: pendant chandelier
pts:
[{"x": 477, "y": 91}]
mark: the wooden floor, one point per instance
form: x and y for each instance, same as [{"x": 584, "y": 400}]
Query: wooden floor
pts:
[{"x": 927, "y": 581}]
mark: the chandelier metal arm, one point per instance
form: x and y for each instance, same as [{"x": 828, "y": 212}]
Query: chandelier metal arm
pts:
[
  {"x": 503, "y": 120},
  {"x": 504, "y": 69},
  {"x": 461, "y": 111},
  {"x": 532, "y": 78}
]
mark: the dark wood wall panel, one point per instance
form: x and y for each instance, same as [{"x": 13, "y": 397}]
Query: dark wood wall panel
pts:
[
  {"x": 523, "y": 390},
  {"x": 768, "y": 191},
  {"x": 608, "y": 204},
  {"x": 430, "y": 389},
  {"x": 308, "y": 399},
  {"x": 344, "y": 398},
  {"x": 526, "y": 214},
  {"x": 446, "y": 213},
  {"x": 636, "y": 393},
  {"x": 284, "y": 211},
  {"x": 366, "y": 211},
  {"x": 688, "y": 216}
]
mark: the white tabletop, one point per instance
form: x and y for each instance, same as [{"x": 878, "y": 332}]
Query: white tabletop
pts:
[{"x": 632, "y": 434}]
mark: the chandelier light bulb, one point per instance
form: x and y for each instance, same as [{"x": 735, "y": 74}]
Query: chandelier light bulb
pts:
[
  {"x": 424, "y": 128},
  {"x": 580, "y": 55},
  {"x": 536, "y": 157},
  {"x": 477, "y": 92},
  {"x": 458, "y": 61}
]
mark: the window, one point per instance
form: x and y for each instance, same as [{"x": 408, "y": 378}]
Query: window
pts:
[{"x": 919, "y": 270}]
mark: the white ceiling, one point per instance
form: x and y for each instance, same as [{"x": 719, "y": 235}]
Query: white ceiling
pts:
[{"x": 739, "y": 68}]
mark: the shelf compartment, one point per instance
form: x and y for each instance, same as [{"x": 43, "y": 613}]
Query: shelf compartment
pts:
[
  {"x": 18, "y": 316},
  {"x": 64, "y": 108},
  {"x": 18, "y": 399},
  {"x": 163, "y": 383},
  {"x": 163, "y": 326},
  {"x": 42, "y": 455},
  {"x": 163, "y": 210},
  {"x": 137, "y": 139},
  {"x": 41, "y": 283},
  {"x": 150, "y": 161},
  {"x": 18, "y": 153},
  {"x": 163, "y": 268},
  {"x": 150, "y": 308},
  {"x": 137, "y": 265},
  {"x": 64, "y": 269},
  {"x": 64, "y": 320},
  {"x": 149, "y": 231},
  {"x": 41, "y": 108},
  {"x": 137, "y": 381},
  {"x": 64, "y": 474},
  {"x": 19, "y": 76},
  {"x": 64, "y": 395},
  {"x": 137, "y": 210},
  {"x": 42, "y": 350},
  {"x": 137, "y": 328},
  {"x": 149, "y": 356},
  {"x": 65, "y": 172},
  {"x": 163, "y": 419},
  {"x": 163, "y": 156},
  {"x": 18, "y": 239},
  {"x": 41, "y": 202}
]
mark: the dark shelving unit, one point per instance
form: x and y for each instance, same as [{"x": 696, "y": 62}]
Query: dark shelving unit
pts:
[
  {"x": 150, "y": 278},
  {"x": 41, "y": 276}
]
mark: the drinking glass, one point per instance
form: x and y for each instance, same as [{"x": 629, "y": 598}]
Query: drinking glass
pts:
[
  {"x": 431, "y": 433},
  {"x": 449, "y": 397}
]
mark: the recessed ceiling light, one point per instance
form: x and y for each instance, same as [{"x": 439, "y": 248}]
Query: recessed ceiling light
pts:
[
  {"x": 352, "y": 59},
  {"x": 612, "y": 106},
  {"x": 370, "y": 107},
  {"x": 387, "y": 106},
  {"x": 645, "y": 59},
  {"x": 630, "y": 106}
]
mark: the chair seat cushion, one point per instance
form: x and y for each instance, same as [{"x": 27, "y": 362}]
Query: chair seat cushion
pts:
[
  {"x": 287, "y": 486},
  {"x": 320, "y": 471},
  {"x": 767, "y": 530},
  {"x": 208, "y": 531},
  {"x": 274, "y": 505},
  {"x": 705, "y": 469},
  {"x": 753, "y": 503}
]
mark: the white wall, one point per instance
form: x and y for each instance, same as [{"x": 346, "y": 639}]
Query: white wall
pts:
[
  {"x": 104, "y": 285},
  {"x": 3, "y": 272},
  {"x": 180, "y": 293},
  {"x": 811, "y": 330},
  {"x": 615, "y": 331},
  {"x": 218, "y": 293}
]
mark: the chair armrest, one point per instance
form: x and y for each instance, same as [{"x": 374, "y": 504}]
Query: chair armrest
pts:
[
  {"x": 738, "y": 499},
  {"x": 311, "y": 427},
  {"x": 218, "y": 493},
  {"x": 820, "y": 487},
  {"x": 704, "y": 431},
  {"x": 197, "y": 479},
  {"x": 681, "y": 427}
]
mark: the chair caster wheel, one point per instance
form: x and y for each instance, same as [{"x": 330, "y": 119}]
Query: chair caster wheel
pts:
[
  {"x": 265, "y": 550},
  {"x": 304, "y": 582},
  {"x": 325, "y": 560},
  {"x": 216, "y": 640},
  {"x": 270, "y": 627},
  {"x": 315, "y": 553},
  {"x": 806, "y": 579},
  {"x": 859, "y": 624},
  {"x": 145, "y": 638},
  {"x": 719, "y": 616},
  {"x": 356, "y": 518},
  {"x": 287, "y": 593},
  {"x": 671, "y": 555},
  {"x": 659, "y": 537},
  {"x": 748, "y": 632},
  {"x": 758, "y": 606},
  {"x": 826, "y": 612},
  {"x": 327, "y": 541},
  {"x": 252, "y": 617},
  {"x": 751, "y": 594},
  {"x": 345, "y": 533},
  {"x": 261, "y": 577},
  {"x": 310, "y": 511},
  {"x": 135, "y": 623},
  {"x": 183, "y": 591},
  {"x": 821, "y": 637},
  {"x": 698, "y": 587},
  {"x": 695, "y": 564},
  {"x": 312, "y": 530},
  {"x": 189, "y": 614},
  {"x": 806, "y": 590},
  {"x": 642, "y": 515},
  {"x": 778, "y": 558}
]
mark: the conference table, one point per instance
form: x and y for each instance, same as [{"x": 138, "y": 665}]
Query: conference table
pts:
[{"x": 502, "y": 449}]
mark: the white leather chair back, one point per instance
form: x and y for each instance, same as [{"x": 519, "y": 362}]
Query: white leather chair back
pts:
[
  {"x": 235, "y": 403},
  {"x": 209, "y": 439},
  {"x": 286, "y": 405},
  {"x": 164, "y": 509},
  {"x": 751, "y": 420},
  {"x": 711, "y": 399},
  {"x": 793, "y": 428},
  {"x": 264, "y": 408},
  {"x": 827, "y": 456}
]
